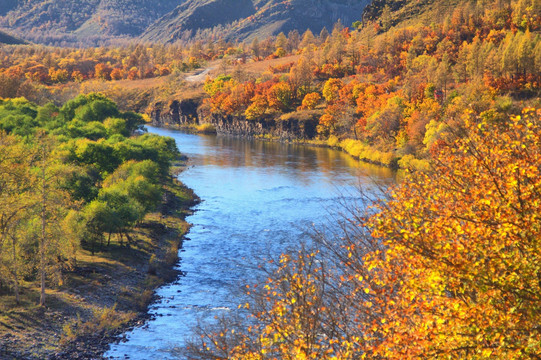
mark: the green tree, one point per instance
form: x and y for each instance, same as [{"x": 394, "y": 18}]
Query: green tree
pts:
[{"x": 124, "y": 211}]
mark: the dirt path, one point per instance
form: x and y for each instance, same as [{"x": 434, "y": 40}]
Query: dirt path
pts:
[{"x": 200, "y": 76}]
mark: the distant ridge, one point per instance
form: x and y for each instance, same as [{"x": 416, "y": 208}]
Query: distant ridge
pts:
[
  {"x": 246, "y": 19},
  {"x": 96, "y": 22},
  {"x": 81, "y": 22}
]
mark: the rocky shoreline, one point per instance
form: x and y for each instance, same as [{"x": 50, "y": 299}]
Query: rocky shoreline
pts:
[
  {"x": 91, "y": 347},
  {"x": 190, "y": 113},
  {"x": 300, "y": 127}
]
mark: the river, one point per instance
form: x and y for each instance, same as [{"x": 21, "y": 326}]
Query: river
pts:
[{"x": 258, "y": 199}]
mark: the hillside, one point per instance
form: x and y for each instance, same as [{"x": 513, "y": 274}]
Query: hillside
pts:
[
  {"x": 95, "y": 22},
  {"x": 85, "y": 21},
  {"x": 10, "y": 40},
  {"x": 247, "y": 19}
]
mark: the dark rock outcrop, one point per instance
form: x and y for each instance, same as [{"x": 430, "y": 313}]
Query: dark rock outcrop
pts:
[
  {"x": 292, "y": 129},
  {"x": 181, "y": 112},
  {"x": 189, "y": 112}
]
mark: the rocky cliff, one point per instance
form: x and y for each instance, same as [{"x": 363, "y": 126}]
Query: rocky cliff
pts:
[
  {"x": 292, "y": 129},
  {"x": 188, "y": 112},
  {"x": 183, "y": 112}
]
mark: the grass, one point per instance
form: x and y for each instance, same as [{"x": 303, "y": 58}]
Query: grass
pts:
[
  {"x": 103, "y": 320},
  {"x": 206, "y": 128},
  {"x": 367, "y": 153},
  {"x": 259, "y": 67}
]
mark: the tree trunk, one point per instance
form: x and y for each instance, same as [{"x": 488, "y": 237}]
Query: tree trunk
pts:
[
  {"x": 15, "y": 268},
  {"x": 42, "y": 242}
]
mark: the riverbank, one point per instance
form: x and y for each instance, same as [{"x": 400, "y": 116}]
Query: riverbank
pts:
[
  {"x": 104, "y": 295},
  {"x": 355, "y": 148}
]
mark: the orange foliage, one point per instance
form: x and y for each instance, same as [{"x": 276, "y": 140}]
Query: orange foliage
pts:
[
  {"x": 459, "y": 275},
  {"x": 311, "y": 100},
  {"x": 447, "y": 267}
]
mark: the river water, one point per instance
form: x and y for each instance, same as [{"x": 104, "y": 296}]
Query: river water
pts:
[{"x": 258, "y": 199}]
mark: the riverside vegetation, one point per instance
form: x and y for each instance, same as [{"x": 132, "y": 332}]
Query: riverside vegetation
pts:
[
  {"x": 90, "y": 224},
  {"x": 445, "y": 266}
]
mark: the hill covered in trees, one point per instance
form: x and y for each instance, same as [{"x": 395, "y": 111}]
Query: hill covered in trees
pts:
[
  {"x": 91, "y": 22},
  {"x": 248, "y": 19},
  {"x": 391, "y": 90},
  {"x": 80, "y": 22}
]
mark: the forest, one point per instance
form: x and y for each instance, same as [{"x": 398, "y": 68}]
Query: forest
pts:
[
  {"x": 385, "y": 91},
  {"x": 70, "y": 176},
  {"x": 388, "y": 94},
  {"x": 446, "y": 265}
]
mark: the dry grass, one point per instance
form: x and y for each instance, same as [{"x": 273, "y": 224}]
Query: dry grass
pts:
[
  {"x": 302, "y": 115},
  {"x": 140, "y": 83},
  {"x": 206, "y": 128},
  {"x": 103, "y": 320},
  {"x": 259, "y": 67}
]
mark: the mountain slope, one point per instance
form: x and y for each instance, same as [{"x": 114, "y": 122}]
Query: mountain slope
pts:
[
  {"x": 53, "y": 21},
  {"x": 244, "y": 19},
  {"x": 91, "y": 22},
  {"x": 199, "y": 14}
]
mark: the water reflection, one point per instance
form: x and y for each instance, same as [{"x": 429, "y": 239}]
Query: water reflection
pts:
[{"x": 298, "y": 160}]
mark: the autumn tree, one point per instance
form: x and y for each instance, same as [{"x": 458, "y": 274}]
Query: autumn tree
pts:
[
  {"x": 445, "y": 266},
  {"x": 331, "y": 90},
  {"x": 103, "y": 71},
  {"x": 461, "y": 261},
  {"x": 307, "y": 39},
  {"x": 116, "y": 74},
  {"x": 301, "y": 76},
  {"x": 280, "y": 42},
  {"x": 258, "y": 108},
  {"x": 281, "y": 97},
  {"x": 15, "y": 202},
  {"x": 311, "y": 100},
  {"x": 51, "y": 204},
  {"x": 255, "y": 48}
]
